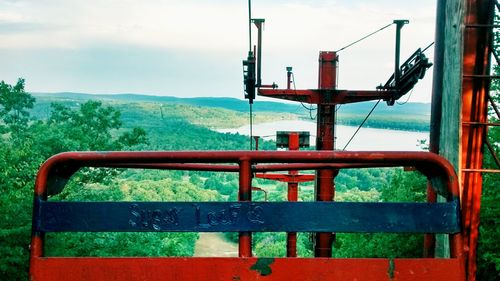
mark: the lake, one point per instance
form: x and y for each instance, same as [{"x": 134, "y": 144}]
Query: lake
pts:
[{"x": 365, "y": 139}]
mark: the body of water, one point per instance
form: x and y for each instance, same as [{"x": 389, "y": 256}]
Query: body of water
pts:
[{"x": 365, "y": 139}]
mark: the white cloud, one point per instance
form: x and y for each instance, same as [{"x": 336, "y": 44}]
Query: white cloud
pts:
[
  {"x": 219, "y": 25},
  {"x": 294, "y": 32}
]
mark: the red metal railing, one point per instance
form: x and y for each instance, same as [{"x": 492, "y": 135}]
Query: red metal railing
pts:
[{"x": 245, "y": 267}]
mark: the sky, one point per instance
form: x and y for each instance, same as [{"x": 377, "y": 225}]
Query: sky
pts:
[{"x": 194, "y": 48}]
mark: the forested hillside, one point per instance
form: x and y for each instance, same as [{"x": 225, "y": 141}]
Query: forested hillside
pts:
[
  {"x": 208, "y": 111},
  {"x": 31, "y": 130}
]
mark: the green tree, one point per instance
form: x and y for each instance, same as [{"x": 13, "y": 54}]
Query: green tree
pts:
[
  {"x": 14, "y": 105},
  {"x": 26, "y": 143},
  {"x": 129, "y": 244},
  {"x": 18, "y": 165},
  {"x": 403, "y": 187},
  {"x": 488, "y": 254},
  {"x": 91, "y": 127}
]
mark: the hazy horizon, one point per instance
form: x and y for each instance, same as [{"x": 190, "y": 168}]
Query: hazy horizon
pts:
[
  {"x": 190, "y": 97},
  {"x": 195, "y": 48}
]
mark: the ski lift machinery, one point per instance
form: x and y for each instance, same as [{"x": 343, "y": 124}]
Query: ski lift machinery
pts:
[{"x": 323, "y": 217}]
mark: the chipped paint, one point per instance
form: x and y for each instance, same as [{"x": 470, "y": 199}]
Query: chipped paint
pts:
[
  {"x": 390, "y": 270},
  {"x": 263, "y": 266}
]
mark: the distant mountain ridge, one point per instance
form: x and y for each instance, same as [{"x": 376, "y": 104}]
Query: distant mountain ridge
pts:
[{"x": 421, "y": 109}]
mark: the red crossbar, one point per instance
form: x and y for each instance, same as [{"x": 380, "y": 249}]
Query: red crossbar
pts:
[
  {"x": 187, "y": 269},
  {"x": 244, "y": 267}
]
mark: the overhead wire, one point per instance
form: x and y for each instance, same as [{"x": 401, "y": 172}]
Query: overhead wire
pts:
[
  {"x": 425, "y": 49},
  {"x": 373, "y": 108},
  {"x": 364, "y": 37},
  {"x": 345, "y": 47},
  {"x": 361, "y": 125},
  {"x": 409, "y": 96},
  {"x": 310, "y": 108}
]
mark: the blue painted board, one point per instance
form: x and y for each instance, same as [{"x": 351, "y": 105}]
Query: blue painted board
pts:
[{"x": 248, "y": 216}]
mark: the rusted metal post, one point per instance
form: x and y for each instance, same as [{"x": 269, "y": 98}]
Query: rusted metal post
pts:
[
  {"x": 292, "y": 195},
  {"x": 397, "y": 71},
  {"x": 258, "y": 23},
  {"x": 475, "y": 87},
  {"x": 288, "y": 77},
  {"x": 436, "y": 106},
  {"x": 430, "y": 238},
  {"x": 256, "y": 138},
  {"x": 245, "y": 194},
  {"x": 325, "y": 189}
]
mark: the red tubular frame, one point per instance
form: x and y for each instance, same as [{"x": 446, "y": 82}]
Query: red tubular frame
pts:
[
  {"x": 325, "y": 140},
  {"x": 255, "y": 168},
  {"x": 316, "y": 96},
  {"x": 54, "y": 268},
  {"x": 478, "y": 17},
  {"x": 292, "y": 195},
  {"x": 245, "y": 194},
  {"x": 292, "y": 179},
  {"x": 429, "y": 163}
]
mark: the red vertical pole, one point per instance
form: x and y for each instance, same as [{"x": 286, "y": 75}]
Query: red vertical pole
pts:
[
  {"x": 293, "y": 192},
  {"x": 325, "y": 189},
  {"x": 430, "y": 238},
  {"x": 288, "y": 78},
  {"x": 245, "y": 194},
  {"x": 476, "y": 66},
  {"x": 256, "y": 138},
  {"x": 436, "y": 111}
]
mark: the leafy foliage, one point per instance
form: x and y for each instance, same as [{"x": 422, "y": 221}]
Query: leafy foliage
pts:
[
  {"x": 488, "y": 254},
  {"x": 128, "y": 244},
  {"x": 403, "y": 187},
  {"x": 91, "y": 127},
  {"x": 26, "y": 143},
  {"x": 214, "y": 112},
  {"x": 14, "y": 105}
]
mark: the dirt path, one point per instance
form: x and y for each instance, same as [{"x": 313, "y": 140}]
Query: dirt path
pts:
[{"x": 214, "y": 245}]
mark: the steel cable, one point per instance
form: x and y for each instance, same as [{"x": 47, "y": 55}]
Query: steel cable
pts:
[
  {"x": 364, "y": 37},
  {"x": 361, "y": 125}
]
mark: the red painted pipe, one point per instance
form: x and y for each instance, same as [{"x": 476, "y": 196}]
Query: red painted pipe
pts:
[
  {"x": 434, "y": 164},
  {"x": 291, "y": 238},
  {"x": 292, "y": 195},
  {"x": 288, "y": 79},
  {"x": 235, "y": 168},
  {"x": 474, "y": 108},
  {"x": 245, "y": 194},
  {"x": 286, "y": 177},
  {"x": 325, "y": 138},
  {"x": 430, "y": 238},
  {"x": 254, "y": 188}
]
